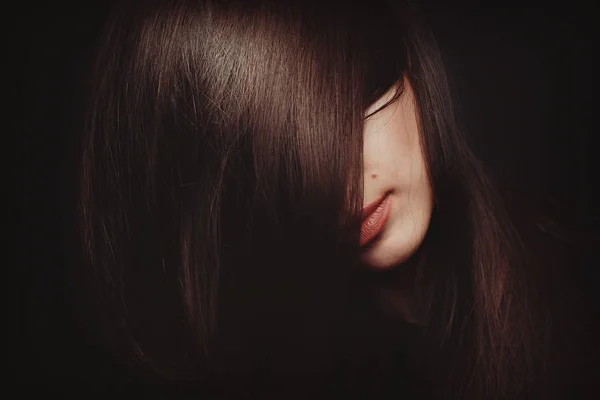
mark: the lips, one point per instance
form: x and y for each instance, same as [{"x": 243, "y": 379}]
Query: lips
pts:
[
  {"x": 375, "y": 216},
  {"x": 370, "y": 208}
]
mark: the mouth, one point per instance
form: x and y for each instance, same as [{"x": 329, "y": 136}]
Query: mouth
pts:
[{"x": 375, "y": 216}]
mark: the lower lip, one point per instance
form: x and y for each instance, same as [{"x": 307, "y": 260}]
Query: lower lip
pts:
[{"x": 374, "y": 224}]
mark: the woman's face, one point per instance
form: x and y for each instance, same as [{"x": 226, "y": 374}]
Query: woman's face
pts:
[{"x": 394, "y": 166}]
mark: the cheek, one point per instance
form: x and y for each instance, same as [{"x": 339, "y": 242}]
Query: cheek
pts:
[
  {"x": 371, "y": 150},
  {"x": 393, "y": 146},
  {"x": 396, "y": 162},
  {"x": 382, "y": 152},
  {"x": 413, "y": 205}
]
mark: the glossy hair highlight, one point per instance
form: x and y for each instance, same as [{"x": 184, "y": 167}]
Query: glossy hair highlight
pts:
[{"x": 222, "y": 183}]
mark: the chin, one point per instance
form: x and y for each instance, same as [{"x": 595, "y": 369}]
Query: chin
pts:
[{"x": 387, "y": 257}]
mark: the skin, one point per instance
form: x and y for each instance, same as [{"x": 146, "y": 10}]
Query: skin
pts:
[{"x": 394, "y": 163}]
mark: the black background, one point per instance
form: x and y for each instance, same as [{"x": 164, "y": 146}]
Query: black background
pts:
[{"x": 526, "y": 78}]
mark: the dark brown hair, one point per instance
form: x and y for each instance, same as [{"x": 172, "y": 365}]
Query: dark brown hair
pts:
[{"x": 221, "y": 187}]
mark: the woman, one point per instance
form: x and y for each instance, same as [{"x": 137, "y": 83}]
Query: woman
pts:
[{"x": 270, "y": 186}]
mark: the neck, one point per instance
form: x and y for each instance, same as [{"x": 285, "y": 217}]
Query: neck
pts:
[{"x": 395, "y": 290}]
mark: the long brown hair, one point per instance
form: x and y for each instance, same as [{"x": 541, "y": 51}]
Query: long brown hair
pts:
[{"x": 221, "y": 187}]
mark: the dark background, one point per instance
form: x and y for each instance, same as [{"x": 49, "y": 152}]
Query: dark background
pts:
[{"x": 526, "y": 78}]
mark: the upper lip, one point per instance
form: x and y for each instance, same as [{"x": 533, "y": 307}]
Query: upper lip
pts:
[{"x": 371, "y": 207}]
